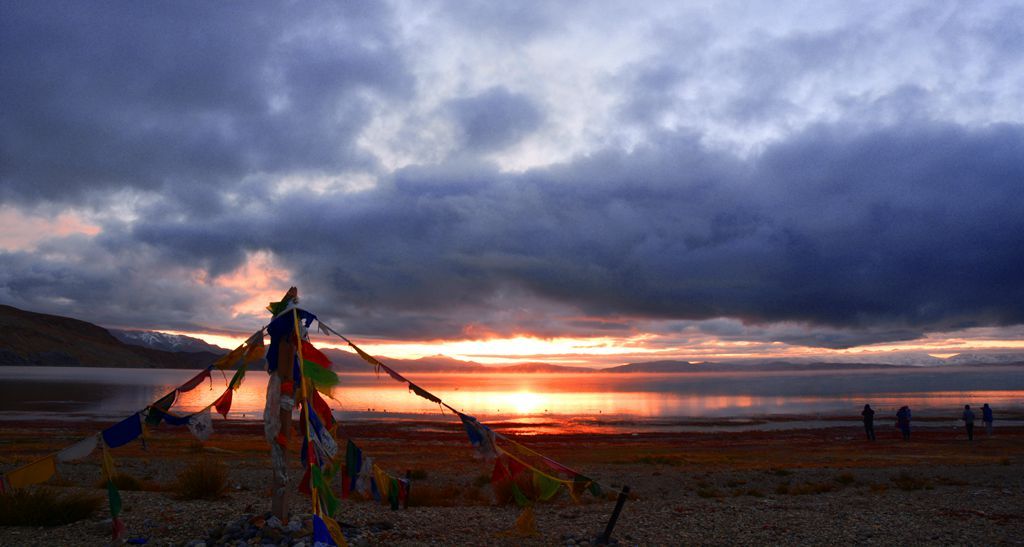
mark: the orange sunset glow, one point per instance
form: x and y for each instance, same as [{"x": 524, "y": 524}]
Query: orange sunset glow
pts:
[{"x": 608, "y": 351}]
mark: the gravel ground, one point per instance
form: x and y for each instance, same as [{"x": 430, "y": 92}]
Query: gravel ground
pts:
[{"x": 892, "y": 497}]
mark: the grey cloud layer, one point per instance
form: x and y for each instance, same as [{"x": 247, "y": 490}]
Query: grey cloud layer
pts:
[
  {"x": 894, "y": 231},
  {"x": 891, "y": 219},
  {"x": 123, "y": 95}
]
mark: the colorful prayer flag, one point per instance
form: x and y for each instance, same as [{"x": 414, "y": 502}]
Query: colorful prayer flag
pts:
[
  {"x": 423, "y": 393},
  {"x": 310, "y": 353},
  {"x": 196, "y": 380},
  {"x": 282, "y": 327},
  {"x": 34, "y": 473},
  {"x": 324, "y": 534},
  {"x": 230, "y": 359},
  {"x": 545, "y": 486},
  {"x": 255, "y": 350},
  {"x": 321, "y": 378},
  {"x": 353, "y": 463},
  {"x": 223, "y": 403},
  {"x": 480, "y": 436},
  {"x": 161, "y": 407},
  {"x": 123, "y": 432},
  {"x": 79, "y": 450},
  {"x": 201, "y": 424}
]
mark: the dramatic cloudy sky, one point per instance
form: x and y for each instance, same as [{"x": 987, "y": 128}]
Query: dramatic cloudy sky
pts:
[{"x": 537, "y": 178}]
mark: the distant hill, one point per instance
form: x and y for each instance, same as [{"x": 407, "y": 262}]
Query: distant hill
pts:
[
  {"x": 28, "y": 338},
  {"x": 764, "y": 366},
  {"x": 165, "y": 342}
]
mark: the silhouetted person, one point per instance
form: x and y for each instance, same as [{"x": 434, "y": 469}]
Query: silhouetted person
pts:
[
  {"x": 869, "y": 422},
  {"x": 903, "y": 421},
  {"x": 968, "y": 417},
  {"x": 986, "y": 418}
]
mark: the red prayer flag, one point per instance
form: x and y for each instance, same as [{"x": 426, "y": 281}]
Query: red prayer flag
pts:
[
  {"x": 322, "y": 409},
  {"x": 223, "y": 403},
  {"x": 313, "y": 355},
  {"x": 195, "y": 381}
]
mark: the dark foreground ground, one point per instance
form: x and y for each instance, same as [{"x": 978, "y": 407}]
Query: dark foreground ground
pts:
[{"x": 819, "y": 486}]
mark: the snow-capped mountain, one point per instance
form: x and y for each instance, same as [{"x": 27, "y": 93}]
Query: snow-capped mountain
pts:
[{"x": 163, "y": 341}]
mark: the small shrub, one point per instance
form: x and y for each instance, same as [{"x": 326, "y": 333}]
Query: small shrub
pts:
[
  {"x": 735, "y": 482},
  {"x": 879, "y": 488},
  {"x": 482, "y": 480},
  {"x": 846, "y": 479},
  {"x": 755, "y": 493},
  {"x": 46, "y": 507},
  {"x": 782, "y": 489},
  {"x": 1005, "y": 461},
  {"x": 907, "y": 482},
  {"x": 203, "y": 479},
  {"x": 808, "y": 488},
  {"x": 780, "y": 472},
  {"x": 709, "y": 492},
  {"x": 427, "y": 495},
  {"x": 947, "y": 481}
]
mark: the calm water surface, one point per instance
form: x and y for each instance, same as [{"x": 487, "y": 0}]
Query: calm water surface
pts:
[{"x": 581, "y": 401}]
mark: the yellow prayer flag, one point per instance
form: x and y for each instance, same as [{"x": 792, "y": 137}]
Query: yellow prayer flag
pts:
[
  {"x": 229, "y": 360},
  {"x": 108, "y": 464},
  {"x": 383, "y": 481},
  {"x": 366, "y": 356},
  {"x": 334, "y": 530},
  {"x": 255, "y": 351},
  {"x": 33, "y": 473}
]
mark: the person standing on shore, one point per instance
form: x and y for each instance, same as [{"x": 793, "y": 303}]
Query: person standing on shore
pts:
[
  {"x": 869, "y": 422},
  {"x": 968, "y": 417},
  {"x": 903, "y": 421},
  {"x": 986, "y": 418}
]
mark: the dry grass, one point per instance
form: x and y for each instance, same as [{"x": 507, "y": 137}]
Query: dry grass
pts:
[
  {"x": 203, "y": 479},
  {"x": 709, "y": 492},
  {"x": 846, "y": 479},
  {"x": 907, "y": 482},
  {"x": 124, "y": 481},
  {"x": 46, "y": 507},
  {"x": 804, "y": 489}
]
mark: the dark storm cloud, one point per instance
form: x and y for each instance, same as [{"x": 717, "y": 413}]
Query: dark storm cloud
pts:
[
  {"x": 162, "y": 96},
  {"x": 494, "y": 119},
  {"x": 888, "y": 232}
]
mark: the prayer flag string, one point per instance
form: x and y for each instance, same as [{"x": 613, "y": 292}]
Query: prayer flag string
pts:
[{"x": 481, "y": 436}]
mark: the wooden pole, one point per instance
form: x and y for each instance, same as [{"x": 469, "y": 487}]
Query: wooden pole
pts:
[
  {"x": 279, "y": 454},
  {"x": 607, "y": 535}
]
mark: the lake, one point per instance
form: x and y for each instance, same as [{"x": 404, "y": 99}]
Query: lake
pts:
[{"x": 583, "y": 401}]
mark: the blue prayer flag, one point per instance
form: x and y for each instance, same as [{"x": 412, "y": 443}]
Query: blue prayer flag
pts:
[{"x": 123, "y": 432}]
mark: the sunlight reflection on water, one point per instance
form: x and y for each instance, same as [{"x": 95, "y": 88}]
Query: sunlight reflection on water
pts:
[{"x": 537, "y": 399}]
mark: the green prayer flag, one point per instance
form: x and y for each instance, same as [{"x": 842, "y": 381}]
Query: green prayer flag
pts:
[
  {"x": 324, "y": 490},
  {"x": 546, "y": 486},
  {"x": 321, "y": 378},
  {"x": 236, "y": 380},
  {"x": 156, "y": 414},
  {"x": 521, "y": 499},
  {"x": 393, "y": 493},
  {"x": 114, "y": 498}
]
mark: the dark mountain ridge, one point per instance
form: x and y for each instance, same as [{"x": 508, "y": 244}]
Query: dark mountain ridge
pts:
[{"x": 36, "y": 339}]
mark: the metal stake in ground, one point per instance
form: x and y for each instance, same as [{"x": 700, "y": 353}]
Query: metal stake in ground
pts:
[{"x": 604, "y": 538}]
